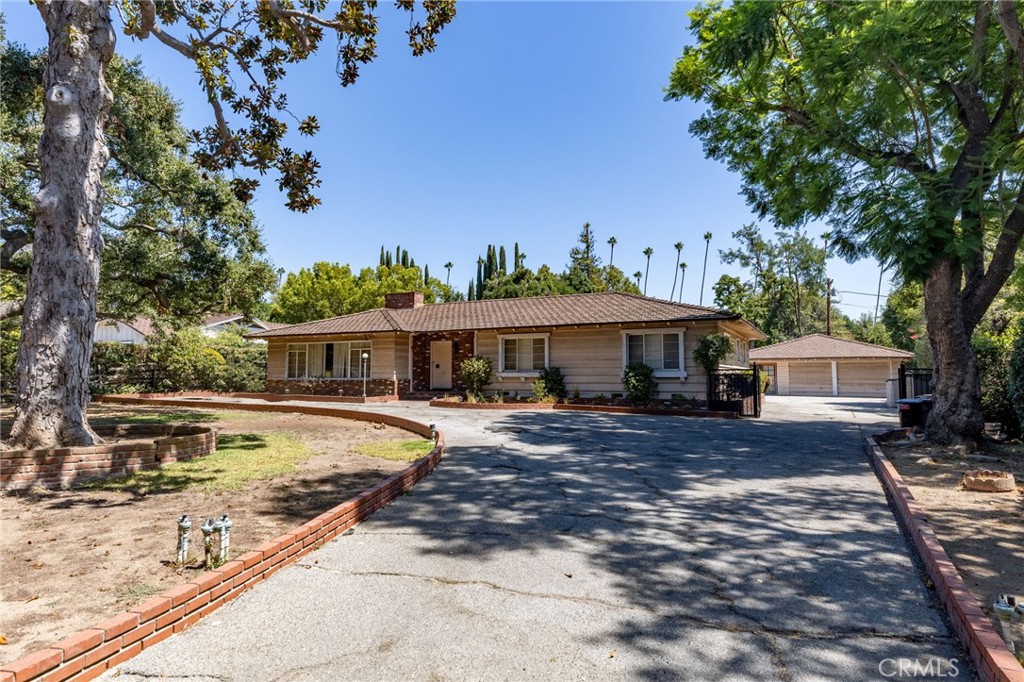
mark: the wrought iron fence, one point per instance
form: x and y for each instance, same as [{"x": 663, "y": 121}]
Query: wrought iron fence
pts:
[
  {"x": 914, "y": 381},
  {"x": 736, "y": 390}
]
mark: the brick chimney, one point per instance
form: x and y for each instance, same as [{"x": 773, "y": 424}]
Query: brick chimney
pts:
[{"x": 406, "y": 299}]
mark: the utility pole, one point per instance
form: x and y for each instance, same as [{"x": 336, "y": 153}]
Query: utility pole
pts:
[
  {"x": 878, "y": 298},
  {"x": 828, "y": 307}
]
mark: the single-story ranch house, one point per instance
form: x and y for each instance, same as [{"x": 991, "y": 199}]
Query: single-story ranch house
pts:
[
  {"x": 408, "y": 347},
  {"x": 824, "y": 365}
]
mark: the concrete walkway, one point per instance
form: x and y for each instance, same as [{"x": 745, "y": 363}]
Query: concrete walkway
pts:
[{"x": 564, "y": 546}]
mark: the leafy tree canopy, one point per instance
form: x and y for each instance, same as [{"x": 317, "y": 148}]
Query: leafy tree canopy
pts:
[{"x": 178, "y": 243}]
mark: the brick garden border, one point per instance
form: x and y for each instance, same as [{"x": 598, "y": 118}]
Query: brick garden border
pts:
[
  {"x": 89, "y": 653},
  {"x": 991, "y": 656},
  {"x": 615, "y": 409},
  {"x": 269, "y": 397},
  {"x": 64, "y": 467}
]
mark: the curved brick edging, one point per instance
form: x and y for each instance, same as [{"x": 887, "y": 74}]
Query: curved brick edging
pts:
[
  {"x": 64, "y": 467},
  {"x": 615, "y": 409},
  {"x": 89, "y": 653},
  {"x": 269, "y": 397},
  {"x": 991, "y": 656}
]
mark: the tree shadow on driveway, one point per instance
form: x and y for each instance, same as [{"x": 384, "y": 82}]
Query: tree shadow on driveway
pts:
[{"x": 772, "y": 536}]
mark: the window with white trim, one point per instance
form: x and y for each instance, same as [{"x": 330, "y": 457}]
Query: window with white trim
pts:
[
  {"x": 661, "y": 351},
  {"x": 341, "y": 360},
  {"x": 523, "y": 354}
]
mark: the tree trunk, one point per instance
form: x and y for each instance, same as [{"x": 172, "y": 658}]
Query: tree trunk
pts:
[
  {"x": 60, "y": 308},
  {"x": 956, "y": 417}
]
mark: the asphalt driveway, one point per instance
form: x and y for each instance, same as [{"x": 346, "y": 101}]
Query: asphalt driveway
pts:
[{"x": 558, "y": 546}]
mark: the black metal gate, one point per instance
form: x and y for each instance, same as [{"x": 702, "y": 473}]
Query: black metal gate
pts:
[
  {"x": 736, "y": 390},
  {"x": 914, "y": 381}
]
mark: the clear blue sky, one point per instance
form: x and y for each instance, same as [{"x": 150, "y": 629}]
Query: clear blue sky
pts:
[{"x": 529, "y": 119}]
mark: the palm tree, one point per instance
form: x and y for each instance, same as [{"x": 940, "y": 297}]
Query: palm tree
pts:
[
  {"x": 448, "y": 266},
  {"x": 682, "y": 281},
  {"x": 647, "y": 252},
  {"x": 675, "y": 274},
  {"x": 612, "y": 241},
  {"x": 639, "y": 275},
  {"x": 707, "y": 244}
]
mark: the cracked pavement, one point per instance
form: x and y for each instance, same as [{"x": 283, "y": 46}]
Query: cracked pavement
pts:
[{"x": 565, "y": 546}]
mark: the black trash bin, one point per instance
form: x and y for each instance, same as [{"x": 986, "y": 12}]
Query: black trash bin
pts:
[{"x": 914, "y": 411}]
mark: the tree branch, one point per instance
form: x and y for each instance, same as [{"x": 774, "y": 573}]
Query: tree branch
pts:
[
  {"x": 979, "y": 293},
  {"x": 11, "y": 309},
  {"x": 1006, "y": 15}
]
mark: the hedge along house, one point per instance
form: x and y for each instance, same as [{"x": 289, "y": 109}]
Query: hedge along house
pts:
[
  {"x": 410, "y": 347},
  {"x": 825, "y": 365}
]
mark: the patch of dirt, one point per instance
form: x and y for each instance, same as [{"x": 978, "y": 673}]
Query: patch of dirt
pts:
[
  {"x": 982, "y": 532},
  {"x": 72, "y": 558}
]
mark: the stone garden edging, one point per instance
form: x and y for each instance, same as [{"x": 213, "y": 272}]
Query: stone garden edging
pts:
[
  {"x": 91, "y": 652},
  {"x": 992, "y": 658}
]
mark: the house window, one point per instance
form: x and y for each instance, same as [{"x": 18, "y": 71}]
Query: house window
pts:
[
  {"x": 297, "y": 361},
  {"x": 523, "y": 354},
  {"x": 660, "y": 351},
  {"x": 343, "y": 360}
]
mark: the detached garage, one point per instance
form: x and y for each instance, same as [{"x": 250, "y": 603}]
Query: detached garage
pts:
[{"x": 824, "y": 365}]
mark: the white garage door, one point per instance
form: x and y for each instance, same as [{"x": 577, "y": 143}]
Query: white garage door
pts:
[
  {"x": 810, "y": 378},
  {"x": 862, "y": 379}
]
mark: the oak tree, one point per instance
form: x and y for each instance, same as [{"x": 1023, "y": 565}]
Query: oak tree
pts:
[
  {"x": 901, "y": 125},
  {"x": 241, "y": 51}
]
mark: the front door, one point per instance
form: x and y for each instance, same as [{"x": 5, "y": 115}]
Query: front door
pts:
[{"x": 441, "y": 365}]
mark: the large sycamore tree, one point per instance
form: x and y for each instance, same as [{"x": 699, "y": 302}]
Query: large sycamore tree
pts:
[
  {"x": 241, "y": 50},
  {"x": 901, "y": 124}
]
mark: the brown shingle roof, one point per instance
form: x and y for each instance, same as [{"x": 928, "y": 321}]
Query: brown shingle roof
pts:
[
  {"x": 821, "y": 347},
  {"x": 508, "y": 313}
]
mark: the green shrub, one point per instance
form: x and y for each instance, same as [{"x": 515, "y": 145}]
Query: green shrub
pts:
[
  {"x": 245, "y": 364},
  {"x": 994, "y": 353},
  {"x": 638, "y": 380},
  {"x": 475, "y": 373},
  {"x": 711, "y": 350},
  {"x": 1015, "y": 380},
  {"x": 551, "y": 383}
]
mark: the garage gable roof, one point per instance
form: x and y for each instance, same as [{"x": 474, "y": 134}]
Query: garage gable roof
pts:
[{"x": 822, "y": 347}]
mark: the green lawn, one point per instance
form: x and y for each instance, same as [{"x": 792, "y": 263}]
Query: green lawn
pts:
[
  {"x": 397, "y": 450},
  {"x": 238, "y": 460}
]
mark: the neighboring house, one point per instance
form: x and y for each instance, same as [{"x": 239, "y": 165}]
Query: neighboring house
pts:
[
  {"x": 825, "y": 365},
  {"x": 139, "y": 329},
  {"x": 412, "y": 347},
  {"x": 115, "y": 331},
  {"x": 215, "y": 324}
]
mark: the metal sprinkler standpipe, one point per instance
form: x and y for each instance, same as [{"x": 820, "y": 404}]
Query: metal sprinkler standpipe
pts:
[
  {"x": 225, "y": 539},
  {"x": 207, "y": 529},
  {"x": 184, "y": 526}
]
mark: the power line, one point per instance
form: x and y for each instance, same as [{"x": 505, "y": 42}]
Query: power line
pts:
[{"x": 862, "y": 293}]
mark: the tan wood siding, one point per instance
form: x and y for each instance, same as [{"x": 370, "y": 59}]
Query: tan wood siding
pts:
[
  {"x": 863, "y": 378},
  {"x": 277, "y": 356},
  {"x": 591, "y": 360},
  {"x": 810, "y": 378},
  {"x": 782, "y": 377}
]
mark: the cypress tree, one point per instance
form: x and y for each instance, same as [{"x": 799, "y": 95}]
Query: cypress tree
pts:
[
  {"x": 517, "y": 259},
  {"x": 387, "y": 259},
  {"x": 470, "y": 296},
  {"x": 426, "y": 275},
  {"x": 405, "y": 258},
  {"x": 479, "y": 277},
  {"x": 501, "y": 261},
  {"x": 383, "y": 261}
]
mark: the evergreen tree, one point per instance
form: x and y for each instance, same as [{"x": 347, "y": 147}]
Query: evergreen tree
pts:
[
  {"x": 426, "y": 274},
  {"x": 501, "y": 262},
  {"x": 405, "y": 258},
  {"x": 518, "y": 258},
  {"x": 383, "y": 260},
  {"x": 471, "y": 296}
]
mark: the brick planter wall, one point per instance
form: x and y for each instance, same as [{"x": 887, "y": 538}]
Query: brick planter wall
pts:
[
  {"x": 90, "y": 653},
  {"x": 992, "y": 658},
  {"x": 65, "y": 467},
  {"x": 462, "y": 348},
  {"x": 352, "y": 388}
]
